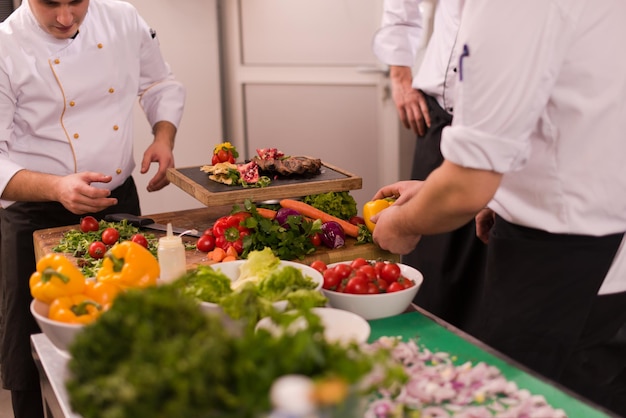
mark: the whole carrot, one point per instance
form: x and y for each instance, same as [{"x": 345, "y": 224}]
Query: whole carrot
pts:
[
  {"x": 312, "y": 212},
  {"x": 266, "y": 213}
]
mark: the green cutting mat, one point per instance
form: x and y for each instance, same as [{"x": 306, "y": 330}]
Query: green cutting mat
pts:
[{"x": 435, "y": 337}]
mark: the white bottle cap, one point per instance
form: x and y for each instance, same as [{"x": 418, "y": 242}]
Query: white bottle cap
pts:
[{"x": 170, "y": 240}]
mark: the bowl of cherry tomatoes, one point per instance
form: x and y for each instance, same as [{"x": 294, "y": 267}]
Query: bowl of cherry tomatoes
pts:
[{"x": 372, "y": 289}]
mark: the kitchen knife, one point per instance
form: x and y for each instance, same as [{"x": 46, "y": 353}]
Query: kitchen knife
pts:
[{"x": 147, "y": 223}]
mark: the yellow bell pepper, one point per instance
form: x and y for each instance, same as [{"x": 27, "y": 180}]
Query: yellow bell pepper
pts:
[
  {"x": 74, "y": 309},
  {"x": 129, "y": 265},
  {"x": 372, "y": 207},
  {"x": 55, "y": 276}
]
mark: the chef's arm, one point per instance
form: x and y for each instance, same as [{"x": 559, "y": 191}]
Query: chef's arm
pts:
[
  {"x": 74, "y": 191},
  {"x": 449, "y": 198}
]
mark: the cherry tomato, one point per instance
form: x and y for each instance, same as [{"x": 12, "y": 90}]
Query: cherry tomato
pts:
[
  {"x": 358, "y": 262},
  {"x": 372, "y": 289},
  {"x": 390, "y": 272},
  {"x": 316, "y": 239},
  {"x": 97, "y": 249},
  {"x": 382, "y": 285},
  {"x": 369, "y": 271},
  {"x": 208, "y": 231},
  {"x": 357, "y": 285},
  {"x": 206, "y": 243},
  {"x": 357, "y": 220},
  {"x": 319, "y": 265},
  {"x": 215, "y": 160},
  {"x": 331, "y": 280},
  {"x": 140, "y": 239},
  {"x": 378, "y": 266},
  {"x": 223, "y": 155},
  {"x": 110, "y": 236},
  {"x": 89, "y": 223},
  {"x": 406, "y": 282},
  {"x": 395, "y": 287},
  {"x": 343, "y": 270}
]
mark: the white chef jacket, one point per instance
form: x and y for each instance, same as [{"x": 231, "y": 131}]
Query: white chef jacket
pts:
[
  {"x": 542, "y": 99},
  {"x": 401, "y": 35},
  {"x": 66, "y": 105}
]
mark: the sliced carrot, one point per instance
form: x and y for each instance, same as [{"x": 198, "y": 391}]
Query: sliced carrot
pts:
[
  {"x": 231, "y": 252},
  {"x": 217, "y": 254},
  {"x": 312, "y": 212},
  {"x": 266, "y": 213},
  {"x": 229, "y": 258}
]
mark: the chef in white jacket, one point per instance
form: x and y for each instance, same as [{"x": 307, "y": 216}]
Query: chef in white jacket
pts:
[
  {"x": 70, "y": 74},
  {"x": 453, "y": 262},
  {"x": 538, "y": 137}
]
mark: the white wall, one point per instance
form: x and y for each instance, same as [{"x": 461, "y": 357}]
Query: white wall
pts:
[{"x": 188, "y": 33}]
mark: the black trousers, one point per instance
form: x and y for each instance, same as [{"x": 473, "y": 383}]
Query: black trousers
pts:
[
  {"x": 18, "y": 222},
  {"x": 541, "y": 308},
  {"x": 453, "y": 263}
]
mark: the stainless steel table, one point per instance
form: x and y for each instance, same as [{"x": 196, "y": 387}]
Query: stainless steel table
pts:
[{"x": 52, "y": 375}]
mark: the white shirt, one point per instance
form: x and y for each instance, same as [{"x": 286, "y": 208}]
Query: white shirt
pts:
[
  {"x": 66, "y": 105},
  {"x": 543, "y": 100},
  {"x": 401, "y": 35}
]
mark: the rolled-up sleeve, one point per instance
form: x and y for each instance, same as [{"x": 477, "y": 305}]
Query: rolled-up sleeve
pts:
[{"x": 507, "y": 68}]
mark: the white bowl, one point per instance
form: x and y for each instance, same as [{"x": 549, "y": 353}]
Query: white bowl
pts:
[
  {"x": 339, "y": 325},
  {"x": 60, "y": 334},
  {"x": 375, "y": 306},
  {"x": 231, "y": 269}
]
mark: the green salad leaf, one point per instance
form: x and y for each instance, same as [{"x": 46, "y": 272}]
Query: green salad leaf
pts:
[
  {"x": 204, "y": 284},
  {"x": 281, "y": 282},
  {"x": 339, "y": 204}
]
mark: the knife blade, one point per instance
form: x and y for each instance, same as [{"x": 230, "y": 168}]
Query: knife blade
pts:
[{"x": 148, "y": 223}]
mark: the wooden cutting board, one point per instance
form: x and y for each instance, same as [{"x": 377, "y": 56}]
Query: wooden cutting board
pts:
[
  {"x": 46, "y": 239},
  {"x": 197, "y": 183}
]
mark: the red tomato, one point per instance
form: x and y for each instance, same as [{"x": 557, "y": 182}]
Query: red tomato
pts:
[
  {"x": 379, "y": 267},
  {"x": 215, "y": 160},
  {"x": 395, "y": 287},
  {"x": 316, "y": 239},
  {"x": 97, "y": 249},
  {"x": 110, "y": 236},
  {"x": 208, "y": 231},
  {"x": 405, "y": 282},
  {"x": 140, "y": 239},
  {"x": 382, "y": 285},
  {"x": 319, "y": 265},
  {"x": 206, "y": 243},
  {"x": 89, "y": 223},
  {"x": 358, "y": 262},
  {"x": 368, "y": 270},
  {"x": 223, "y": 155},
  {"x": 357, "y": 285},
  {"x": 372, "y": 289},
  {"x": 331, "y": 279},
  {"x": 343, "y": 270},
  {"x": 390, "y": 272}
]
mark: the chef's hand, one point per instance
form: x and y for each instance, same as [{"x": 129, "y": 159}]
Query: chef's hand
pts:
[
  {"x": 389, "y": 233},
  {"x": 484, "y": 222},
  {"x": 77, "y": 195},
  {"x": 410, "y": 103},
  {"x": 160, "y": 151},
  {"x": 402, "y": 191}
]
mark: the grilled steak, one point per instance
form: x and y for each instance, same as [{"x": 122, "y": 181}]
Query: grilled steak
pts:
[{"x": 289, "y": 166}]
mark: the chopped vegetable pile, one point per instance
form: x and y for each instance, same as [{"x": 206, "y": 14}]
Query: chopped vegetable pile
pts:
[
  {"x": 155, "y": 354},
  {"x": 437, "y": 388}
]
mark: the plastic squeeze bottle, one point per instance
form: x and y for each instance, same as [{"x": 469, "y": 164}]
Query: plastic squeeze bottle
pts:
[{"x": 171, "y": 256}]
